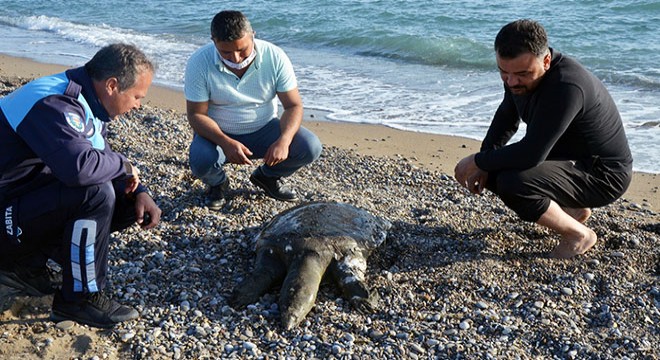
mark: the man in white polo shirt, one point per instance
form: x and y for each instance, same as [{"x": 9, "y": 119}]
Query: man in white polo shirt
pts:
[{"x": 231, "y": 88}]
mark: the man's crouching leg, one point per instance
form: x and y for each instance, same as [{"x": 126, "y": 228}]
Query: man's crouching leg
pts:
[
  {"x": 579, "y": 214},
  {"x": 576, "y": 239},
  {"x": 530, "y": 192},
  {"x": 84, "y": 260}
]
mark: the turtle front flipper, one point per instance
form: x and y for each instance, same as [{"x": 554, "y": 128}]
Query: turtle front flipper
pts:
[
  {"x": 349, "y": 272},
  {"x": 301, "y": 285},
  {"x": 269, "y": 270}
]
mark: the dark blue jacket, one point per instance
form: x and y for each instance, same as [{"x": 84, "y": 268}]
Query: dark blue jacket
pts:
[{"x": 55, "y": 126}]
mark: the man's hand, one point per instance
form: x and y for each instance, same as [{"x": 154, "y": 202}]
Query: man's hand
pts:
[
  {"x": 470, "y": 176},
  {"x": 204, "y": 126},
  {"x": 237, "y": 153},
  {"x": 146, "y": 211},
  {"x": 133, "y": 180},
  {"x": 277, "y": 152}
]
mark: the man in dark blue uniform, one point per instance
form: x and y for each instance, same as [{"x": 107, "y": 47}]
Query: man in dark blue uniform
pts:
[
  {"x": 62, "y": 188},
  {"x": 574, "y": 155}
]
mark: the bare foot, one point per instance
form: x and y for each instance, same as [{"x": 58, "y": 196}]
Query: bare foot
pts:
[
  {"x": 569, "y": 247},
  {"x": 579, "y": 214}
]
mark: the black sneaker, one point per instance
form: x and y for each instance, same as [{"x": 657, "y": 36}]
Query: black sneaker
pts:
[
  {"x": 28, "y": 280},
  {"x": 8, "y": 297},
  {"x": 216, "y": 196},
  {"x": 94, "y": 310},
  {"x": 273, "y": 186}
]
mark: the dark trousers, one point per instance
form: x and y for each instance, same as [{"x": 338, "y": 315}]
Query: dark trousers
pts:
[
  {"x": 570, "y": 184},
  {"x": 70, "y": 225}
]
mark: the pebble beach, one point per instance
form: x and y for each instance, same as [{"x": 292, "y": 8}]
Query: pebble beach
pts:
[{"x": 459, "y": 276}]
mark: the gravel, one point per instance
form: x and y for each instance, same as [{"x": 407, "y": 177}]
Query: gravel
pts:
[{"x": 458, "y": 276}]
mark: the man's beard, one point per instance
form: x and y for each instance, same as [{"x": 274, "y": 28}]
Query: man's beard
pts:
[{"x": 519, "y": 90}]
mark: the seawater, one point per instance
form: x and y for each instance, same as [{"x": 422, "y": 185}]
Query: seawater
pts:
[{"x": 417, "y": 65}]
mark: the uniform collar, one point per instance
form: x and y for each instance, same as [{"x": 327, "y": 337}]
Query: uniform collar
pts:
[{"x": 80, "y": 76}]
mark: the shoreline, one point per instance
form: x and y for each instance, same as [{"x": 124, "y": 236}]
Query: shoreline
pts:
[
  {"x": 458, "y": 275},
  {"x": 429, "y": 151}
]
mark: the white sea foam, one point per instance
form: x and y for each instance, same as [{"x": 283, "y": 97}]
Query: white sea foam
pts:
[
  {"x": 449, "y": 99},
  {"x": 71, "y": 41}
]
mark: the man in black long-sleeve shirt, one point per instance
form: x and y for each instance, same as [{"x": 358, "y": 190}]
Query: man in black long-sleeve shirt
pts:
[{"x": 574, "y": 155}]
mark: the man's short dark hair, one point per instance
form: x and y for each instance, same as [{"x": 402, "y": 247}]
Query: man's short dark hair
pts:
[
  {"x": 519, "y": 37},
  {"x": 230, "y": 25},
  {"x": 122, "y": 61}
]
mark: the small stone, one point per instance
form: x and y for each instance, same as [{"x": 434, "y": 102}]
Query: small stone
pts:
[
  {"x": 464, "y": 325},
  {"x": 249, "y": 346},
  {"x": 567, "y": 291},
  {"x": 589, "y": 276},
  {"x": 593, "y": 262},
  {"x": 634, "y": 241},
  {"x": 417, "y": 349},
  {"x": 482, "y": 305},
  {"x": 65, "y": 325},
  {"x": 199, "y": 331},
  {"x": 432, "y": 342},
  {"x": 127, "y": 336},
  {"x": 375, "y": 334},
  {"x": 539, "y": 304},
  {"x": 618, "y": 254},
  {"x": 271, "y": 335}
]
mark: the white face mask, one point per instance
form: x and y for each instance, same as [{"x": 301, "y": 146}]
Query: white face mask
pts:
[{"x": 243, "y": 64}]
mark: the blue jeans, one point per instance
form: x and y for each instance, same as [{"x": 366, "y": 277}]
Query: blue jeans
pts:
[{"x": 207, "y": 158}]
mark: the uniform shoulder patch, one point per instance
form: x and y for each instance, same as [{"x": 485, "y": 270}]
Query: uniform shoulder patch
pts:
[{"x": 75, "y": 121}]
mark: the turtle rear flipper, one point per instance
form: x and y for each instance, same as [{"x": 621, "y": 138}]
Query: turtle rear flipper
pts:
[
  {"x": 269, "y": 270},
  {"x": 348, "y": 272},
  {"x": 301, "y": 285}
]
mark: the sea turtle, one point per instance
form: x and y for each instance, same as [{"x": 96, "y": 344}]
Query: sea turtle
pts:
[{"x": 298, "y": 245}]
